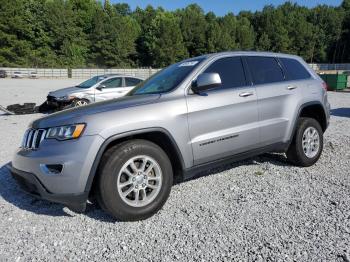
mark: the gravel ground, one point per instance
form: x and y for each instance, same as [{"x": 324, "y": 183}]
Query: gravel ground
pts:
[
  {"x": 260, "y": 209},
  {"x": 30, "y": 90}
]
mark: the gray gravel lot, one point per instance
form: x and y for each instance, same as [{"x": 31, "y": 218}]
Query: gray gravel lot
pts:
[
  {"x": 14, "y": 91},
  {"x": 260, "y": 209}
]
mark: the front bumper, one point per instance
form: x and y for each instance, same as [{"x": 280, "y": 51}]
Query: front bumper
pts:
[
  {"x": 69, "y": 186},
  {"x": 32, "y": 185},
  {"x": 53, "y": 102}
]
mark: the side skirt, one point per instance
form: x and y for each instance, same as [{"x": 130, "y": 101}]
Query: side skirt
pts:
[{"x": 193, "y": 171}]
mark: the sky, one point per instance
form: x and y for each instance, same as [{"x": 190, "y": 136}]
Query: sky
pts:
[{"x": 221, "y": 7}]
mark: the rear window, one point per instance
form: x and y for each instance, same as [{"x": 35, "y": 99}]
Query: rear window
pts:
[
  {"x": 129, "y": 81},
  {"x": 295, "y": 70},
  {"x": 264, "y": 70}
]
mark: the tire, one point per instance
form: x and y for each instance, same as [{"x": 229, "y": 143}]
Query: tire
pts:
[
  {"x": 79, "y": 102},
  {"x": 298, "y": 154},
  {"x": 153, "y": 187}
]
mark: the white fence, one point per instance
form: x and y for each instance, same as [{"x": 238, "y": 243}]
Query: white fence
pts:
[
  {"x": 330, "y": 67},
  {"x": 84, "y": 73},
  {"x": 42, "y": 72},
  {"x": 87, "y": 73},
  {"x": 80, "y": 73}
]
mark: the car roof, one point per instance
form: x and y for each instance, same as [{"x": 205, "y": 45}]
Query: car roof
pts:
[
  {"x": 120, "y": 75},
  {"x": 248, "y": 53}
]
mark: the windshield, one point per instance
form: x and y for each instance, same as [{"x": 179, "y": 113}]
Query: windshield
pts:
[
  {"x": 166, "y": 79},
  {"x": 90, "y": 82}
]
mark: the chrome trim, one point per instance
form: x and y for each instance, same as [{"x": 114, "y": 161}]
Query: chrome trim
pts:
[
  {"x": 32, "y": 138},
  {"x": 43, "y": 135},
  {"x": 28, "y": 138},
  {"x": 35, "y": 136}
]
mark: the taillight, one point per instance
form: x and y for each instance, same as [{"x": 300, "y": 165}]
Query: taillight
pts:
[{"x": 325, "y": 86}]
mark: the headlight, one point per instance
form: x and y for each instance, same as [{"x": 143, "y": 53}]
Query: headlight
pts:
[
  {"x": 65, "y": 98},
  {"x": 65, "y": 132},
  {"x": 61, "y": 98}
]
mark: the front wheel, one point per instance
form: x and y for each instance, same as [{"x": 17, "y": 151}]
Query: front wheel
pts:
[
  {"x": 135, "y": 179},
  {"x": 307, "y": 143},
  {"x": 80, "y": 102}
]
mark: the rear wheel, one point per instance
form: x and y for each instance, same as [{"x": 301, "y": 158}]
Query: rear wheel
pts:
[
  {"x": 307, "y": 144},
  {"x": 135, "y": 179}
]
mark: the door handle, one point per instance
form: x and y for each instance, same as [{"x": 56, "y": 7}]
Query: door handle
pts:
[
  {"x": 245, "y": 94},
  {"x": 291, "y": 87}
]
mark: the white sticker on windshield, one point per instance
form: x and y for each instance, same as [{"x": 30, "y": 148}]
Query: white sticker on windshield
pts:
[{"x": 190, "y": 63}]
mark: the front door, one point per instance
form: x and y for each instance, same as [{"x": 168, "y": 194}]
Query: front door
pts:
[
  {"x": 109, "y": 89},
  {"x": 225, "y": 120}
]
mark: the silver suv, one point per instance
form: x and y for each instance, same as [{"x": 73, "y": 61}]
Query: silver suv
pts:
[
  {"x": 95, "y": 89},
  {"x": 189, "y": 117}
]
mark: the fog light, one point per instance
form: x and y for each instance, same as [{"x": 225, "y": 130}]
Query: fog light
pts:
[{"x": 53, "y": 169}]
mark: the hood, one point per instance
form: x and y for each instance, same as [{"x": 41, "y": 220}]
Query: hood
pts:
[
  {"x": 66, "y": 91},
  {"x": 76, "y": 115}
]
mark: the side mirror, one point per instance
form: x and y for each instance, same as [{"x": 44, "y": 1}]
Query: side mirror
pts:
[
  {"x": 100, "y": 87},
  {"x": 206, "y": 81}
]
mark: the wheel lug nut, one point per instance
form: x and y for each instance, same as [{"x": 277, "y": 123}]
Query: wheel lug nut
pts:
[
  {"x": 136, "y": 186},
  {"x": 143, "y": 185},
  {"x": 133, "y": 179},
  {"x": 144, "y": 176}
]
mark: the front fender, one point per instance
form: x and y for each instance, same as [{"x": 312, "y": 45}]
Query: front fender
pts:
[{"x": 113, "y": 138}]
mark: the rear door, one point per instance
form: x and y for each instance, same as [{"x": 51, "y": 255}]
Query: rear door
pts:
[
  {"x": 277, "y": 98},
  {"x": 130, "y": 83},
  {"x": 110, "y": 88},
  {"x": 224, "y": 121}
]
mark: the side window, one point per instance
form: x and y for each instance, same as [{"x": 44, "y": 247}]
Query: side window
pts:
[
  {"x": 295, "y": 70},
  {"x": 264, "y": 69},
  {"x": 230, "y": 70},
  {"x": 129, "y": 81},
  {"x": 113, "y": 83}
]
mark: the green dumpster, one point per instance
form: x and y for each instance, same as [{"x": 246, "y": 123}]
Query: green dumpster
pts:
[{"x": 335, "y": 81}]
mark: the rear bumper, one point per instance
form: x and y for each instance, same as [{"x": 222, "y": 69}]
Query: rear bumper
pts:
[{"x": 32, "y": 185}]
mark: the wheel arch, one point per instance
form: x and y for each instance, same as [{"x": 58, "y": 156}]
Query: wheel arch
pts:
[
  {"x": 313, "y": 109},
  {"x": 157, "y": 135}
]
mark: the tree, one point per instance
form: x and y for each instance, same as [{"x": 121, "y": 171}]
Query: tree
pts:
[
  {"x": 263, "y": 42},
  {"x": 66, "y": 38},
  {"x": 144, "y": 19},
  {"x": 113, "y": 39},
  {"x": 164, "y": 40},
  {"x": 78, "y": 33},
  {"x": 220, "y": 33},
  {"x": 327, "y": 21},
  {"x": 193, "y": 28},
  {"x": 15, "y": 33},
  {"x": 245, "y": 34},
  {"x": 345, "y": 37},
  {"x": 122, "y": 9}
]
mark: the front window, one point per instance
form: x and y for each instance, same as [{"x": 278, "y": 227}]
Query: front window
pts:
[
  {"x": 112, "y": 83},
  {"x": 166, "y": 79},
  {"x": 90, "y": 82}
]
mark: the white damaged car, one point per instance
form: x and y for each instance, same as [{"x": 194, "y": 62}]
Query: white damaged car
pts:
[{"x": 95, "y": 89}]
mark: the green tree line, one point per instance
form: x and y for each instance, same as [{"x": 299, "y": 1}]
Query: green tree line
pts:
[{"x": 90, "y": 33}]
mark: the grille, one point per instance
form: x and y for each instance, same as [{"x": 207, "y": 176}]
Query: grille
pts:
[{"x": 32, "y": 138}]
